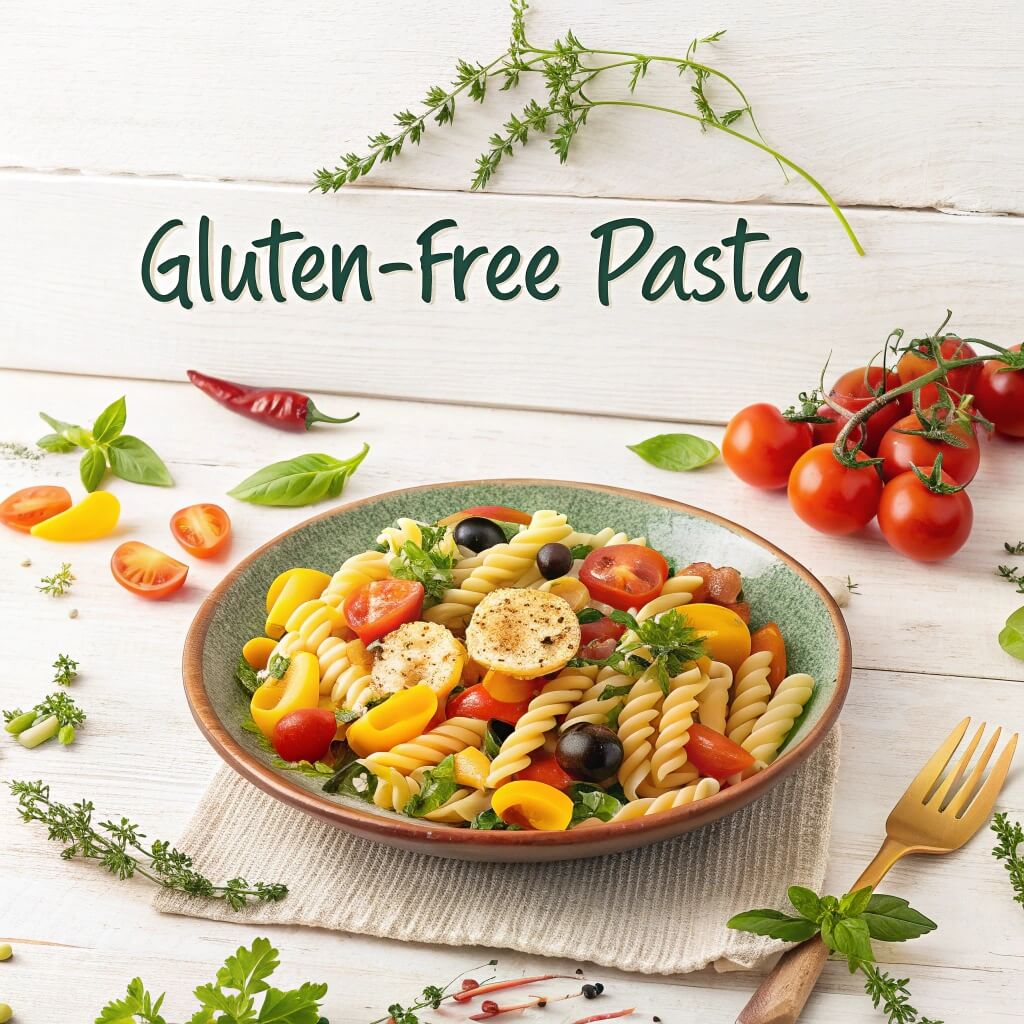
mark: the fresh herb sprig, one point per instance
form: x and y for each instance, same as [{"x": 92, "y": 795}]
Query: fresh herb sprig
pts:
[
  {"x": 662, "y": 645},
  {"x": 431, "y": 998},
  {"x": 120, "y": 848},
  {"x": 847, "y": 924},
  {"x": 231, "y": 999},
  {"x": 567, "y": 68},
  {"x": 1014, "y": 549},
  {"x": 300, "y": 481},
  {"x": 65, "y": 670},
  {"x": 105, "y": 444},
  {"x": 1011, "y": 575},
  {"x": 430, "y": 562},
  {"x": 59, "y": 583},
  {"x": 1008, "y": 851},
  {"x": 55, "y": 715}
]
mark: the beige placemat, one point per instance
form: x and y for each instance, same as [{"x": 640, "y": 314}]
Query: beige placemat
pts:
[{"x": 659, "y": 910}]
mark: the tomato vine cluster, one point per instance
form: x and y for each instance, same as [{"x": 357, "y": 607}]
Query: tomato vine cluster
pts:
[{"x": 898, "y": 443}]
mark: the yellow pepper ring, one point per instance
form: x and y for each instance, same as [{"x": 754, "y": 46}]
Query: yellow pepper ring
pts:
[
  {"x": 301, "y": 585},
  {"x": 508, "y": 689},
  {"x": 401, "y": 718},
  {"x": 535, "y": 804},
  {"x": 725, "y": 634},
  {"x": 257, "y": 651},
  {"x": 299, "y": 688}
]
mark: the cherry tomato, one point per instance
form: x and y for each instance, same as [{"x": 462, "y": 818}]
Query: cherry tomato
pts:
[
  {"x": 921, "y": 524},
  {"x": 544, "y": 768},
  {"x": 915, "y": 363},
  {"x": 624, "y": 575},
  {"x": 769, "y": 638},
  {"x": 760, "y": 445},
  {"x": 476, "y": 702},
  {"x": 826, "y": 433},
  {"x": 902, "y": 450},
  {"x": 859, "y": 388},
  {"x": 499, "y": 513},
  {"x": 999, "y": 396},
  {"x": 599, "y": 638},
  {"x": 147, "y": 572},
  {"x": 715, "y": 755},
  {"x": 31, "y": 505},
  {"x": 202, "y": 530},
  {"x": 831, "y": 497},
  {"x": 381, "y": 606},
  {"x": 305, "y": 734}
]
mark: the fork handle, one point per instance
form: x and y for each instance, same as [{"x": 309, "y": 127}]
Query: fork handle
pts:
[{"x": 781, "y": 997}]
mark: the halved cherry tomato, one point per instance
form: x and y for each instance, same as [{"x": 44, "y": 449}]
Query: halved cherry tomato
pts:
[
  {"x": 760, "y": 445},
  {"x": 859, "y": 388},
  {"x": 624, "y": 575},
  {"x": 599, "y": 638},
  {"x": 380, "y": 606},
  {"x": 305, "y": 734},
  {"x": 202, "y": 530},
  {"x": 901, "y": 450},
  {"x": 769, "y": 638},
  {"x": 915, "y": 363},
  {"x": 31, "y": 505},
  {"x": 499, "y": 513},
  {"x": 715, "y": 755},
  {"x": 921, "y": 524},
  {"x": 476, "y": 702},
  {"x": 147, "y": 572},
  {"x": 999, "y": 396},
  {"x": 831, "y": 497},
  {"x": 544, "y": 768}
]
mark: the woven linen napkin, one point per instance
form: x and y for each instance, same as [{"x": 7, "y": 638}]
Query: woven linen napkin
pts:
[{"x": 660, "y": 909}]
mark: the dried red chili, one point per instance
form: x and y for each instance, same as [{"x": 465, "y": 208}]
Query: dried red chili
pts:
[{"x": 277, "y": 407}]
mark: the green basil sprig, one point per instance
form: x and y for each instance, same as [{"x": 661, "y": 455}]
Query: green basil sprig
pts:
[
  {"x": 129, "y": 458},
  {"x": 1011, "y": 637},
  {"x": 437, "y": 788},
  {"x": 677, "y": 452},
  {"x": 299, "y": 481}
]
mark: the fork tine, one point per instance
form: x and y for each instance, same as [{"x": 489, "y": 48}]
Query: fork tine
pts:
[
  {"x": 963, "y": 797},
  {"x": 981, "y": 806},
  {"x": 949, "y": 783},
  {"x": 929, "y": 774}
]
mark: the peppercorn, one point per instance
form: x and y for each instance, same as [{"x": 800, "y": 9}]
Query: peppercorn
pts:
[{"x": 589, "y": 991}]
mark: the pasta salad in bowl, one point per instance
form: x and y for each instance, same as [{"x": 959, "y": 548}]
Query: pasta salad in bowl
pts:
[{"x": 516, "y": 670}]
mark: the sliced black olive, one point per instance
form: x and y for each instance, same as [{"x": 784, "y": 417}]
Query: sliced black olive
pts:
[
  {"x": 554, "y": 560},
  {"x": 590, "y": 753},
  {"x": 478, "y": 534}
]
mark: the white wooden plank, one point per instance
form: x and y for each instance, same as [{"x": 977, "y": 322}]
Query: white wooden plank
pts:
[
  {"x": 939, "y": 628},
  {"x": 867, "y": 96},
  {"x": 74, "y": 299}
]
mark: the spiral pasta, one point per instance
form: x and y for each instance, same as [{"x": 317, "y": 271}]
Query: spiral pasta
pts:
[
  {"x": 673, "y": 733},
  {"x": 432, "y": 747},
  {"x": 555, "y": 700},
  {"x": 750, "y": 696},
  {"x": 783, "y": 710},
  {"x": 464, "y": 805},
  {"x": 592, "y": 708},
  {"x": 309, "y": 626},
  {"x": 354, "y": 572},
  {"x": 713, "y": 700},
  {"x": 411, "y": 530},
  {"x": 678, "y": 591},
  {"x": 394, "y": 790},
  {"x": 636, "y": 726},
  {"x": 668, "y": 801}
]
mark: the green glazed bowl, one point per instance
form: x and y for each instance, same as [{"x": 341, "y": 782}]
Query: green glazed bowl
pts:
[{"x": 778, "y": 588}]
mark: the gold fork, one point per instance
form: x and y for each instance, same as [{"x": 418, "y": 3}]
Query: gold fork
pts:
[{"x": 933, "y": 816}]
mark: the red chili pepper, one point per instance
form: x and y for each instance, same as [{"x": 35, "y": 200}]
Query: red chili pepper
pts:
[
  {"x": 605, "y": 1016},
  {"x": 277, "y": 407},
  {"x": 467, "y": 994}
]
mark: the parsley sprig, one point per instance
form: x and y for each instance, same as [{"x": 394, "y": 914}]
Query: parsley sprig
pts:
[
  {"x": 664, "y": 645},
  {"x": 1007, "y": 850},
  {"x": 847, "y": 924},
  {"x": 59, "y": 583},
  {"x": 430, "y": 562},
  {"x": 431, "y": 998},
  {"x": 65, "y": 670},
  {"x": 55, "y": 715},
  {"x": 119, "y": 847}
]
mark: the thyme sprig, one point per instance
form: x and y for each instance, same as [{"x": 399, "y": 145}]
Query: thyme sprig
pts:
[
  {"x": 567, "y": 68},
  {"x": 1008, "y": 850},
  {"x": 65, "y": 670},
  {"x": 119, "y": 847},
  {"x": 431, "y": 998},
  {"x": 59, "y": 583}
]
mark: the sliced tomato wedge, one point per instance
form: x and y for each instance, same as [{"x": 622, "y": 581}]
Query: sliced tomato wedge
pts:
[
  {"x": 544, "y": 768},
  {"x": 499, "y": 513},
  {"x": 381, "y": 606},
  {"x": 476, "y": 702},
  {"x": 202, "y": 530},
  {"x": 146, "y": 572},
  {"x": 599, "y": 638},
  {"x": 624, "y": 575},
  {"x": 715, "y": 755},
  {"x": 31, "y": 505}
]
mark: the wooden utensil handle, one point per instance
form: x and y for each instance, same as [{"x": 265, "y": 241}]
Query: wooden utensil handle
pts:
[{"x": 780, "y": 998}]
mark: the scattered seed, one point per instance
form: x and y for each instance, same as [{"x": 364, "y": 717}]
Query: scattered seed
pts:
[
  {"x": 26, "y": 562},
  {"x": 73, "y": 614},
  {"x": 5, "y": 951}
]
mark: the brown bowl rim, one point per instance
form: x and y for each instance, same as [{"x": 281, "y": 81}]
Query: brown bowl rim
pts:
[{"x": 418, "y": 833}]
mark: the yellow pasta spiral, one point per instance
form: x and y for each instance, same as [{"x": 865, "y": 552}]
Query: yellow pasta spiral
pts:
[
  {"x": 783, "y": 710},
  {"x": 432, "y": 747},
  {"x": 636, "y": 726},
  {"x": 354, "y": 572},
  {"x": 668, "y": 801},
  {"x": 591, "y": 707},
  {"x": 678, "y": 591},
  {"x": 677, "y": 711},
  {"x": 713, "y": 700},
  {"x": 750, "y": 696}
]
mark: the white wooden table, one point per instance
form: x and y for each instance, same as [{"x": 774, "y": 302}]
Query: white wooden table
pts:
[{"x": 225, "y": 109}]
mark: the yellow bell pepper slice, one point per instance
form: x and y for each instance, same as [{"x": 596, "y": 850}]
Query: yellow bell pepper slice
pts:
[
  {"x": 508, "y": 688},
  {"x": 257, "y": 651},
  {"x": 533, "y": 805},
  {"x": 300, "y": 586},
  {"x": 725, "y": 634},
  {"x": 298, "y": 688},
  {"x": 401, "y": 718},
  {"x": 472, "y": 767},
  {"x": 93, "y": 517}
]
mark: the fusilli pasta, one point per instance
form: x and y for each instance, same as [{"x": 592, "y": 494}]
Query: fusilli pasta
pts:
[
  {"x": 783, "y": 710},
  {"x": 750, "y": 696}
]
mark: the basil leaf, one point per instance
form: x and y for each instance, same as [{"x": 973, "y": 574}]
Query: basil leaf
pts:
[
  {"x": 849, "y": 936},
  {"x": 299, "y": 481},
  {"x": 132, "y": 459},
  {"x": 489, "y": 821},
  {"x": 853, "y": 904},
  {"x": 580, "y": 551},
  {"x": 277, "y": 666},
  {"x": 590, "y": 801},
  {"x": 1011, "y": 638},
  {"x": 345, "y": 716},
  {"x": 246, "y": 676},
  {"x": 437, "y": 788},
  {"x": 677, "y": 452},
  {"x": 611, "y": 690},
  {"x": 55, "y": 443},
  {"x": 805, "y": 901},
  {"x": 251, "y": 727},
  {"x": 69, "y": 431},
  {"x": 306, "y": 768},
  {"x": 774, "y": 924},
  {"x": 624, "y": 619},
  {"x": 892, "y": 919},
  {"x": 585, "y": 615},
  {"x": 110, "y": 422},
  {"x": 92, "y": 467},
  {"x": 354, "y": 780}
]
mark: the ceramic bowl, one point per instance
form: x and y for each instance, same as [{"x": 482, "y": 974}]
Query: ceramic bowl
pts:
[{"x": 777, "y": 587}]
